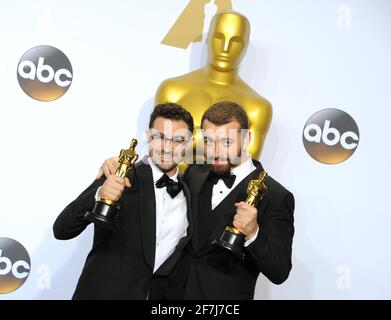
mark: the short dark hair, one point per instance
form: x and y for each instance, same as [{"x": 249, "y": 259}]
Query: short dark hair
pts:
[
  {"x": 224, "y": 112},
  {"x": 172, "y": 111}
]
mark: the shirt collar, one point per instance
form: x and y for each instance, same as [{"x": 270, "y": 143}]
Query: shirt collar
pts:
[
  {"x": 244, "y": 169},
  {"x": 157, "y": 172}
]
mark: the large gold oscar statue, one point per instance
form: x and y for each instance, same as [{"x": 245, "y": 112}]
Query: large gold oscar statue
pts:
[{"x": 227, "y": 42}]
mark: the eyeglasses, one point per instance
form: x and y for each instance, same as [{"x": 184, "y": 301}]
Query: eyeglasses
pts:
[{"x": 176, "y": 140}]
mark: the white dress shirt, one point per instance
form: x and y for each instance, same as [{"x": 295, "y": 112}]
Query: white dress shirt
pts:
[
  {"x": 171, "y": 217},
  {"x": 221, "y": 191}
]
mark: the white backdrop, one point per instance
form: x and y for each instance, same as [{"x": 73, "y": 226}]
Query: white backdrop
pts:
[{"x": 304, "y": 56}]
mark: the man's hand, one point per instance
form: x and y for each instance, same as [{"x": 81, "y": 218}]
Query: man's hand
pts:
[
  {"x": 108, "y": 167},
  {"x": 112, "y": 188},
  {"x": 245, "y": 219}
]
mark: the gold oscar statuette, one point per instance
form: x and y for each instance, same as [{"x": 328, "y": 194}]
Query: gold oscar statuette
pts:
[
  {"x": 232, "y": 239},
  {"x": 105, "y": 212}
]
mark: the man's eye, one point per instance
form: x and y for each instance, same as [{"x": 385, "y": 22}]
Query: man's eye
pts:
[
  {"x": 226, "y": 143},
  {"x": 179, "y": 140}
]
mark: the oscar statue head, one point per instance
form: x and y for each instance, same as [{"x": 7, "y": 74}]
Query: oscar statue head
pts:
[{"x": 227, "y": 40}]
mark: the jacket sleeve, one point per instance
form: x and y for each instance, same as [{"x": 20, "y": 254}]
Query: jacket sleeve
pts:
[
  {"x": 272, "y": 249},
  {"x": 71, "y": 222}
]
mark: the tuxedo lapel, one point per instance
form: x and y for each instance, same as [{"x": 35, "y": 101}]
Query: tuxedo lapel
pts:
[
  {"x": 186, "y": 192},
  {"x": 198, "y": 178},
  {"x": 147, "y": 210},
  {"x": 223, "y": 214}
]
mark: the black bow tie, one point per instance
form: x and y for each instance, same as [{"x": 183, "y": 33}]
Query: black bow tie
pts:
[
  {"x": 173, "y": 188},
  {"x": 228, "y": 178}
]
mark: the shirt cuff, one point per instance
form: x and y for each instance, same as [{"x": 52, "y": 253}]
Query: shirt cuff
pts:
[{"x": 251, "y": 240}]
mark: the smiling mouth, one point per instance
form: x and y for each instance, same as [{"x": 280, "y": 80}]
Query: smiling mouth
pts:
[{"x": 166, "y": 158}]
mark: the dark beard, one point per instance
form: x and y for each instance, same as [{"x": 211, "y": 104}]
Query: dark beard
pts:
[
  {"x": 224, "y": 168},
  {"x": 221, "y": 169}
]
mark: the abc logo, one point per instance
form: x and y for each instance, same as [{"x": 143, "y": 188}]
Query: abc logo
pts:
[
  {"x": 14, "y": 265},
  {"x": 44, "y": 73},
  {"x": 330, "y": 136}
]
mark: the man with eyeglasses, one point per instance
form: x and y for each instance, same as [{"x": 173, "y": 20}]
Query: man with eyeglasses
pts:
[{"x": 138, "y": 261}]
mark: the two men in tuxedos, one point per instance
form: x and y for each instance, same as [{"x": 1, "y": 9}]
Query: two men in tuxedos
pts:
[
  {"x": 138, "y": 261},
  {"x": 217, "y": 190}
]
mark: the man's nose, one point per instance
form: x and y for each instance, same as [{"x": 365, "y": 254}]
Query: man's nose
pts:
[
  {"x": 219, "y": 151},
  {"x": 167, "y": 145}
]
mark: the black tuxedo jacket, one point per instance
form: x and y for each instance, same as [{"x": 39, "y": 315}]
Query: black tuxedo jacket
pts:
[
  {"x": 207, "y": 273},
  {"x": 120, "y": 264}
]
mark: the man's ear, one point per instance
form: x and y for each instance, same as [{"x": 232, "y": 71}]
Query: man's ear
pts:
[
  {"x": 247, "y": 139},
  {"x": 148, "y": 134}
]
